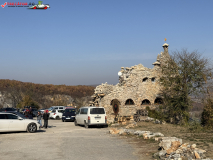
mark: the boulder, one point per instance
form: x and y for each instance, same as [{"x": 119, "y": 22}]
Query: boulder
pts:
[
  {"x": 174, "y": 146},
  {"x": 166, "y": 142},
  {"x": 193, "y": 146},
  {"x": 197, "y": 156},
  {"x": 113, "y": 131},
  {"x": 141, "y": 132},
  {"x": 162, "y": 153}
]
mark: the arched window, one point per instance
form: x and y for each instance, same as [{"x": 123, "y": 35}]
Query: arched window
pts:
[
  {"x": 145, "y": 102},
  {"x": 129, "y": 102},
  {"x": 145, "y": 79},
  {"x": 158, "y": 101},
  {"x": 153, "y": 79}
]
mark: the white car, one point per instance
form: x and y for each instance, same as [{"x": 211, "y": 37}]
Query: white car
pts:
[
  {"x": 89, "y": 116},
  {"x": 10, "y": 122},
  {"x": 56, "y": 107},
  {"x": 56, "y": 114}
]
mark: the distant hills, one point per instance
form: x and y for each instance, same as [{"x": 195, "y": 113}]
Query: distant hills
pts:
[{"x": 46, "y": 89}]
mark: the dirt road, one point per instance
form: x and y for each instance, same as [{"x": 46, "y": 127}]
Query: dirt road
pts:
[{"x": 63, "y": 140}]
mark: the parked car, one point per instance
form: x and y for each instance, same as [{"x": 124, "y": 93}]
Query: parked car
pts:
[
  {"x": 42, "y": 110},
  {"x": 8, "y": 110},
  {"x": 56, "y": 114},
  {"x": 56, "y": 107},
  {"x": 10, "y": 122},
  {"x": 89, "y": 116},
  {"x": 68, "y": 114}
]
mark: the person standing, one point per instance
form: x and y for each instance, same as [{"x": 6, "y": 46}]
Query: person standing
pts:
[
  {"x": 46, "y": 117},
  {"x": 39, "y": 116},
  {"x": 26, "y": 113},
  {"x": 30, "y": 113}
]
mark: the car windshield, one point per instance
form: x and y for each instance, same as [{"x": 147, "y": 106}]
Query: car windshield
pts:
[
  {"x": 51, "y": 108},
  {"x": 69, "y": 111},
  {"x": 97, "y": 111}
]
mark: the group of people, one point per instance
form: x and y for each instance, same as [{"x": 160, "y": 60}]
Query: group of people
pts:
[
  {"x": 29, "y": 113},
  {"x": 45, "y": 117}
]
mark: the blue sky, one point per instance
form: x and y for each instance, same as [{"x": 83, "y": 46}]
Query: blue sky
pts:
[{"x": 84, "y": 42}]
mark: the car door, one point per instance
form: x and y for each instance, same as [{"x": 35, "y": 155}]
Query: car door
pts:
[
  {"x": 15, "y": 124},
  {"x": 4, "y": 123},
  {"x": 60, "y": 113}
]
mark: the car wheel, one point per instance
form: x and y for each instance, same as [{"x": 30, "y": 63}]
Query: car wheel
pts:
[
  {"x": 35, "y": 7},
  {"x": 57, "y": 117},
  {"x": 62, "y": 120},
  {"x": 76, "y": 124},
  {"x": 31, "y": 128},
  {"x": 86, "y": 124},
  {"x": 45, "y": 7}
]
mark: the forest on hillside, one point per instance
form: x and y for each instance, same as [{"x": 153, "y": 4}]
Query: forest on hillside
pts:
[{"x": 17, "y": 91}]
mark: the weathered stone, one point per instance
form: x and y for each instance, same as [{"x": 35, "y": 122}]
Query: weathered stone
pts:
[
  {"x": 197, "y": 156},
  {"x": 166, "y": 142},
  {"x": 138, "y": 87},
  {"x": 193, "y": 146},
  {"x": 174, "y": 146},
  {"x": 199, "y": 150},
  {"x": 113, "y": 131},
  {"x": 162, "y": 153},
  {"x": 158, "y": 138}
]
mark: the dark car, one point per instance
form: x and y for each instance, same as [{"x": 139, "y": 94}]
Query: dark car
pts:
[
  {"x": 68, "y": 114},
  {"x": 8, "y": 110}
]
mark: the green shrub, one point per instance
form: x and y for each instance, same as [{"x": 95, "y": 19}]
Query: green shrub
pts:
[{"x": 207, "y": 115}]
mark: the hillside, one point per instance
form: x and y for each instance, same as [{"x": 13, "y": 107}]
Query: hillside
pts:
[{"x": 16, "y": 91}]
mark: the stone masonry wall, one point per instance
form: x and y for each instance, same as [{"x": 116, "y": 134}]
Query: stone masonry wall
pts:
[{"x": 137, "y": 83}]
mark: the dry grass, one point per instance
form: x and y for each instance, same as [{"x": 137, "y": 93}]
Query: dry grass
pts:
[{"x": 202, "y": 138}]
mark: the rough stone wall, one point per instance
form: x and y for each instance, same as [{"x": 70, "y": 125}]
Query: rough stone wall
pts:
[{"x": 137, "y": 83}]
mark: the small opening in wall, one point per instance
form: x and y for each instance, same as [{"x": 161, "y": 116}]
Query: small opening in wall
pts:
[
  {"x": 145, "y": 102},
  {"x": 129, "y": 102},
  {"x": 145, "y": 79},
  {"x": 153, "y": 79},
  {"x": 158, "y": 101}
]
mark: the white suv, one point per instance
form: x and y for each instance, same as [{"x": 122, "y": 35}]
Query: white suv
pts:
[
  {"x": 88, "y": 116},
  {"x": 56, "y": 114}
]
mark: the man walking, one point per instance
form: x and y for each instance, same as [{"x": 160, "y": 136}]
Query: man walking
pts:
[{"x": 45, "y": 117}]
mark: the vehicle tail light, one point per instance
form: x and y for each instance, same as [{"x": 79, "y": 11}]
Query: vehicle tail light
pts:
[
  {"x": 88, "y": 119},
  {"x": 105, "y": 119},
  {"x": 54, "y": 113}
]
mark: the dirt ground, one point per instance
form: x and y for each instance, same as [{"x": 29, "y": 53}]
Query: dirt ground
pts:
[{"x": 203, "y": 139}]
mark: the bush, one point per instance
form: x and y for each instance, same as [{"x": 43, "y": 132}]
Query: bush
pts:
[{"x": 207, "y": 115}]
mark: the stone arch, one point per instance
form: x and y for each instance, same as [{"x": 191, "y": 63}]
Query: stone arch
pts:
[
  {"x": 145, "y": 79},
  {"x": 115, "y": 105},
  {"x": 158, "y": 101},
  {"x": 129, "y": 102},
  {"x": 145, "y": 102}
]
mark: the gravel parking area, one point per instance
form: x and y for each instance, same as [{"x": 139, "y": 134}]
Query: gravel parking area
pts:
[{"x": 63, "y": 140}]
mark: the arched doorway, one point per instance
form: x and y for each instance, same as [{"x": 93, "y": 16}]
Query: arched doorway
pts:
[{"x": 115, "y": 106}]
